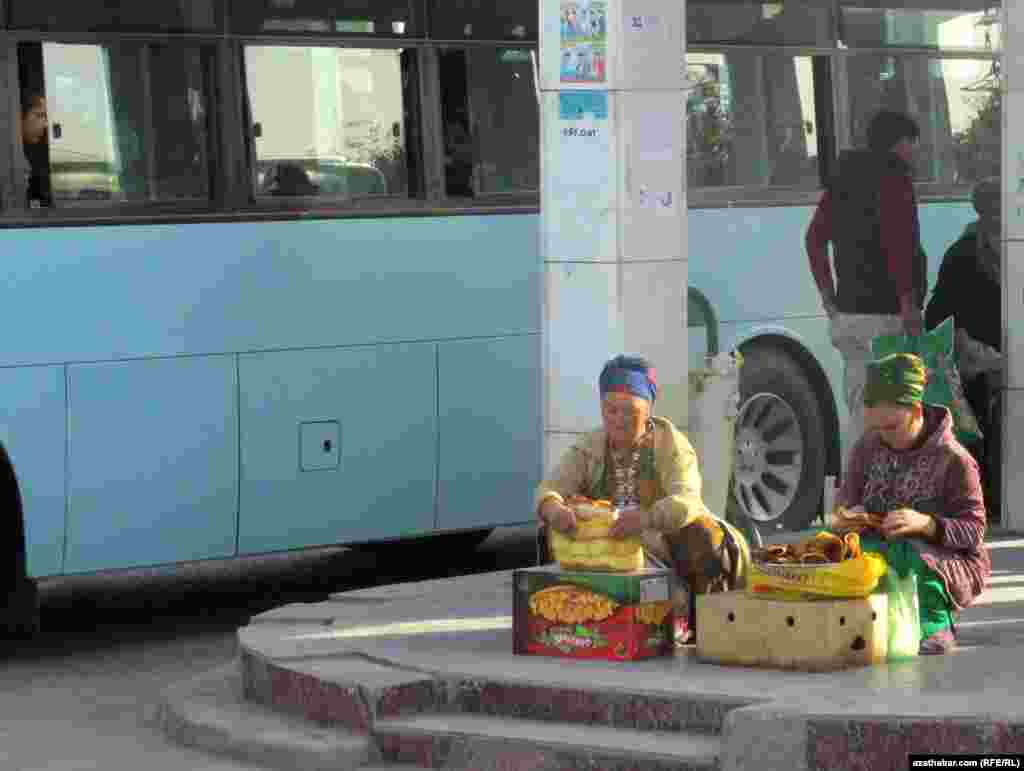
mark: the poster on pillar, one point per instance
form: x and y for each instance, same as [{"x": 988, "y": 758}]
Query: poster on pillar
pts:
[
  {"x": 579, "y": 193},
  {"x": 575, "y": 36},
  {"x": 583, "y": 38},
  {"x": 614, "y": 44},
  {"x": 653, "y": 214}
]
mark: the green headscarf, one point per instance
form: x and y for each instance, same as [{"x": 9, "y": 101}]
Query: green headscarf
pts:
[{"x": 899, "y": 378}]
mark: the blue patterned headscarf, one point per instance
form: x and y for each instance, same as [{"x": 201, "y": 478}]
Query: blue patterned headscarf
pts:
[{"x": 629, "y": 375}]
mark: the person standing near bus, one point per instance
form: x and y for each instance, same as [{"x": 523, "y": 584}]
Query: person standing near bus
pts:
[
  {"x": 969, "y": 290},
  {"x": 32, "y": 129},
  {"x": 868, "y": 213}
]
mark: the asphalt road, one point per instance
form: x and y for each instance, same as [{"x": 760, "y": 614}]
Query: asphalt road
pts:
[{"x": 81, "y": 696}]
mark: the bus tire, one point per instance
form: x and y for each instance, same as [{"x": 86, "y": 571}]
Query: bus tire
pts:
[
  {"x": 18, "y": 592},
  {"x": 780, "y": 454}
]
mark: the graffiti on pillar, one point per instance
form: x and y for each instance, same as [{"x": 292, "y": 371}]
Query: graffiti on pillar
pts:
[{"x": 584, "y": 40}]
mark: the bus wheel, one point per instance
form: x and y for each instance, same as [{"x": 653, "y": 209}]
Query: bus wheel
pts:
[
  {"x": 19, "y": 599},
  {"x": 779, "y": 461}
]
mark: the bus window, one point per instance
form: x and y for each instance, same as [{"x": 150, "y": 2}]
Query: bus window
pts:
[
  {"x": 116, "y": 15},
  {"x": 483, "y": 19},
  {"x": 491, "y": 122},
  {"x": 943, "y": 24},
  {"x": 752, "y": 120},
  {"x": 956, "y": 103},
  {"x": 388, "y": 18},
  {"x": 127, "y": 123},
  {"x": 327, "y": 121},
  {"x": 764, "y": 22}
]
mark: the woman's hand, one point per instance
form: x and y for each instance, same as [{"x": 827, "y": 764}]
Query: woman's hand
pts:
[
  {"x": 631, "y": 521},
  {"x": 558, "y": 515},
  {"x": 843, "y": 518},
  {"x": 907, "y": 523}
]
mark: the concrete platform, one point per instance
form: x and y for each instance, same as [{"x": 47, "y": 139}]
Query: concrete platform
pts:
[{"x": 422, "y": 675}]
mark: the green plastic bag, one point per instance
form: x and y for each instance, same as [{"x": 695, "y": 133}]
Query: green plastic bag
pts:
[
  {"x": 904, "y": 616},
  {"x": 944, "y": 387}
]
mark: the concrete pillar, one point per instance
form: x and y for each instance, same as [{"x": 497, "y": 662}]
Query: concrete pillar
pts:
[
  {"x": 1013, "y": 263},
  {"x": 613, "y": 203}
]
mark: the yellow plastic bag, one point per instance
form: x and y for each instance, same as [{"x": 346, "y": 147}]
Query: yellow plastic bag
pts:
[
  {"x": 851, "y": 578},
  {"x": 590, "y": 548}
]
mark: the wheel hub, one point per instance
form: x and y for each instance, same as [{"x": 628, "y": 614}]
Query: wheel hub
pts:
[
  {"x": 768, "y": 462},
  {"x": 750, "y": 456}
]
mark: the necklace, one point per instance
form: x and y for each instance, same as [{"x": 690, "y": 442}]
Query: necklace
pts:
[{"x": 625, "y": 469}]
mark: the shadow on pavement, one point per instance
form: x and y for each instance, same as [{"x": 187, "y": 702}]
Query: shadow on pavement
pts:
[{"x": 97, "y": 611}]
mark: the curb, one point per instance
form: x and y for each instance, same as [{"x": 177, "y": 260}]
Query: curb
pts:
[
  {"x": 209, "y": 713},
  {"x": 779, "y": 736}
]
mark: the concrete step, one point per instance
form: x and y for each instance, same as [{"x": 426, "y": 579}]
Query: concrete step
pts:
[
  {"x": 610, "y": 707},
  {"x": 210, "y": 713},
  {"x": 354, "y": 693},
  {"x": 481, "y": 743},
  {"x": 351, "y": 692}
]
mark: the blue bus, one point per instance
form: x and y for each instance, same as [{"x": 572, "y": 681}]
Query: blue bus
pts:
[
  {"x": 273, "y": 276},
  {"x": 779, "y": 89}
]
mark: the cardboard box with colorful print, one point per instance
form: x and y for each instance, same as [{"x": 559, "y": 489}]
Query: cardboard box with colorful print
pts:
[{"x": 593, "y": 615}]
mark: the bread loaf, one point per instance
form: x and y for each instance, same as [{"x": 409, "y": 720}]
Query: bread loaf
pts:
[{"x": 589, "y": 547}]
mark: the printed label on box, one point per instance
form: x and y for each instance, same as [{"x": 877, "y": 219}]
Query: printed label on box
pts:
[
  {"x": 654, "y": 590},
  {"x": 592, "y": 616}
]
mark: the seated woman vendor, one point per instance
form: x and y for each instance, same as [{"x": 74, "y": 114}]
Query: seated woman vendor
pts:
[
  {"x": 914, "y": 493},
  {"x": 648, "y": 469}
]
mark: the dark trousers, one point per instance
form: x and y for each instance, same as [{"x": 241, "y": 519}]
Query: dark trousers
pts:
[{"x": 988, "y": 408}]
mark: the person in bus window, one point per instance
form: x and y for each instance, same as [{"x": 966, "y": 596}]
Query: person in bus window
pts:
[
  {"x": 910, "y": 468},
  {"x": 869, "y": 214},
  {"x": 969, "y": 290},
  {"x": 292, "y": 179},
  {"x": 647, "y": 468},
  {"x": 460, "y": 157},
  {"x": 33, "y": 130}
]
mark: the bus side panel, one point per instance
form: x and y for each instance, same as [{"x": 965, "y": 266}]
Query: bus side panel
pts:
[
  {"x": 378, "y": 405},
  {"x": 33, "y": 429},
  {"x": 490, "y": 435},
  {"x": 941, "y": 225},
  {"x": 153, "y": 462},
  {"x": 168, "y": 290},
  {"x": 727, "y": 246},
  {"x": 751, "y": 262}
]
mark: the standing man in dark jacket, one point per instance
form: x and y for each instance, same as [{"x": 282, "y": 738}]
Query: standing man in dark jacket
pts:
[
  {"x": 970, "y": 290},
  {"x": 869, "y": 214}
]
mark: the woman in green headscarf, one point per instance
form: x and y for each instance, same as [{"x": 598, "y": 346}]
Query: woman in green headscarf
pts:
[{"x": 910, "y": 468}]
